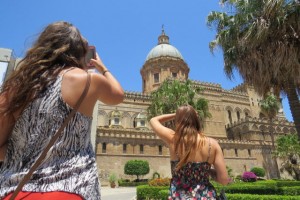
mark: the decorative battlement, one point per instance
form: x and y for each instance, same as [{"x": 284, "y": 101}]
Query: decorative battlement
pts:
[
  {"x": 240, "y": 88},
  {"x": 233, "y": 95},
  {"x": 228, "y": 141},
  {"x": 260, "y": 121},
  {"x": 208, "y": 85},
  {"x": 125, "y": 133},
  {"x": 137, "y": 95}
]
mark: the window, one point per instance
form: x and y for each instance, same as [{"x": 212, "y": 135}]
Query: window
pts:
[
  {"x": 104, "y": 148},
  {"x": 174, "y": 74},
  {"x": 249, "y": 152},
  {"x": 156, "y": 78},
  {"x": 229, "y": 116},
  {"x": 238, "y": 115},
  {"x": 117, "y": 121},
  {"x": 141, "y": 149},
  {"x": 159, "y": 150},
  {"x": 134, "y": 123},
  {"x": 236, "y": 153},
  {"x": 124, "y": 148},
  {"x": 142, "y": 122}
]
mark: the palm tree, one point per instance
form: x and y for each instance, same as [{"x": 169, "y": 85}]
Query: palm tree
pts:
[
  {"x": 270, "y": 106},
  {"x": 260, "y": 40},
  {"x": 174, "y": 93}
]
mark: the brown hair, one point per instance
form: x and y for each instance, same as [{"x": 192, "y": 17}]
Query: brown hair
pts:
[
  {"x": 188, "y": 127},
  {"x": 59, "y": 46}
]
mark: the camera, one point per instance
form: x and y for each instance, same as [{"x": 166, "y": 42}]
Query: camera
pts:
[{"x": 91, "y": 54}]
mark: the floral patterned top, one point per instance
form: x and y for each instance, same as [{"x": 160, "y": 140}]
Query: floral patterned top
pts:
[{"x": 191, "y": 182}]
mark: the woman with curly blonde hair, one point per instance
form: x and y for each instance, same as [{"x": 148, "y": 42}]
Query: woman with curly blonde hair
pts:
[
  {"x": 34, "y": 102},
  {"x": 192, "y": 154}
]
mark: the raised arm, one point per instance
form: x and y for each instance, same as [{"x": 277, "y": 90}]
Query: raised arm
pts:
[
  {"x": 107, "y": 87},
  {"x": 166, "y": 134}
]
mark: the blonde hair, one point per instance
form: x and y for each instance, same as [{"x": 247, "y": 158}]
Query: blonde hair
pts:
[{"x": 187, "y": 128}]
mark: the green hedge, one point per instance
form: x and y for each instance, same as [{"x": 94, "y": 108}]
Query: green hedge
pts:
[
  {"x": 265, "y": 190},
  {"x": 163, "y": 194},
  {"x": 278, "y": 183},
  {"x": 148, "y": 192},
  {"x": 131, "y": 184},
  {"x": 260, "y": 197},
  {"x": 261, "y": 189}
]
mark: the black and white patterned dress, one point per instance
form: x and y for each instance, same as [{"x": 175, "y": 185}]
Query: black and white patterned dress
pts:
[{"x": 70, "y": 165}]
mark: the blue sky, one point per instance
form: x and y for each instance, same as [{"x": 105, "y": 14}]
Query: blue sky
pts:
[{"x": 124, "y": 32}]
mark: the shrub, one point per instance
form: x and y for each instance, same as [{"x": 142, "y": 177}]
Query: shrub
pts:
[
  {"x": 160, "y": 182},
  {"x": 136, "y": 167},
  {"x": 260, "y": 197},
  {"x": 258, "y": 171},
  {"x": 238, "y": 177},
  {"x": 149, "y": 192},
  {"x": 112, "y": 178},
  {"x": 249, "y": 177}
]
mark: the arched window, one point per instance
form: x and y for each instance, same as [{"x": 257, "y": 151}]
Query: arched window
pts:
[
  {"x": 115, "y": 118},
  {"x": 229, "y": 116},
  {"x": 238, "y": 115},
  {"x": 140, "y": 120}
]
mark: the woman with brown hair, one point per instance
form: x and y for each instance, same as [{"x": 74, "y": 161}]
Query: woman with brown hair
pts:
[
  {"x": 34, "y": 102},
  {"x": 192, "y": 154}
]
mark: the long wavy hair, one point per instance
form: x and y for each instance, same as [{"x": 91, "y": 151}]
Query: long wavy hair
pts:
[
  {"x": 187, "y": 129},
  {"x": 59, "y": 46}
]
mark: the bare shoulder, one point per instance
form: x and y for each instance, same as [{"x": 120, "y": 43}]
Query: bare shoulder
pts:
[{"x": 214, "y": 143}]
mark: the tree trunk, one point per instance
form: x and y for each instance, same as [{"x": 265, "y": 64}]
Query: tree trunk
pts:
[
  {"x": 294, "y": 105},
  {"x": 273, "y": 149}
]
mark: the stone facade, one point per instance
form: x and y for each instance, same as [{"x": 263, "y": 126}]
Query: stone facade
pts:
[{"x": 237, "y": 122}]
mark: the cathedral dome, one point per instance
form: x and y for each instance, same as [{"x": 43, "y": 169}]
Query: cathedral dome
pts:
[{"x": 163, "y": 49}]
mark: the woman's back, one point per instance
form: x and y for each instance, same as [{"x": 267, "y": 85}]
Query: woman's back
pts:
[
  {"x": 70, "y": 164},
  {"x": 192, "y": 179}
]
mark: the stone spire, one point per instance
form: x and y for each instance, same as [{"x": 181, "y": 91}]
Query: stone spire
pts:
[{"x": 163, "y": 38}]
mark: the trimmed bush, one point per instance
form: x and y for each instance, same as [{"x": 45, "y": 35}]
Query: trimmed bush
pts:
[
  {"x": 148, "y": 192},
  {"x": 258, "y": 171},
  {"x": 136, "y": 167},
  {"x": 164, "y": 194},
  {"x": 127, "y": 183},
  {"x": 261, "y": 190},
  {"x": 249, "y": 177},
  {"x": 260, "y": 197}
]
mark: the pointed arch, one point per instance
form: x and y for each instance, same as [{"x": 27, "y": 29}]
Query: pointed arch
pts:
[{"x": 102, "y": 119}]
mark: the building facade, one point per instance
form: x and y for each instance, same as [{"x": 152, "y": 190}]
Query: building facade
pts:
[
  {"x": 122, "y": 133},
  {"x": 241, "y": 128}
]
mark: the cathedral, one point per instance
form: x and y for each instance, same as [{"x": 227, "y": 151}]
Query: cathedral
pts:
[
  {"x": 121, "y": 133},
  {"x": 241, "y": 128}
]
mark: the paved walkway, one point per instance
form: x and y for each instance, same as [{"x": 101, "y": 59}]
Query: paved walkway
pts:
[{"x": 118, "y": 193}]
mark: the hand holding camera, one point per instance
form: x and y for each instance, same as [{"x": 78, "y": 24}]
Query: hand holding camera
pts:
[{"x": 94, "y": 61}]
